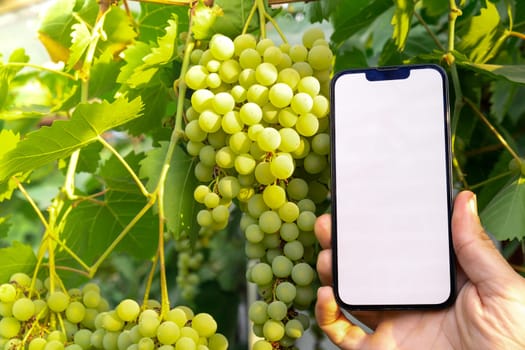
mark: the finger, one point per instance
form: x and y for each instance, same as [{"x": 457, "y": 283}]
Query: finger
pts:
[
  {"x": 323, "y": 230},
  {"x": 329, "y": 317},
  {"x": 475, "y": 251},
  {"x": 324, "y": 266}
]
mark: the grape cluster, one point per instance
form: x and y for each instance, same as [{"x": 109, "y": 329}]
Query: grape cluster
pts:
[
  {"x": 82, "y": 319},
  {"x": 258, "y": 126}
]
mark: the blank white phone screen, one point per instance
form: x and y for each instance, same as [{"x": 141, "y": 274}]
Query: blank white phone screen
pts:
[{"x": 391, "y": 179}]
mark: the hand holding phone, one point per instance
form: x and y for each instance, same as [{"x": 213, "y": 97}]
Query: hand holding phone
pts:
[{"x": 391, "y": 188}]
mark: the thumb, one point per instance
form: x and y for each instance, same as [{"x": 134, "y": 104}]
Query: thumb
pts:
[{"x": 475, "y": 251}]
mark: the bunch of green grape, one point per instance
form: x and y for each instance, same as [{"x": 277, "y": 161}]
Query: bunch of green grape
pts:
[
  {"x": 33, "y": 318},
  {"x": 258, "y": 125}
]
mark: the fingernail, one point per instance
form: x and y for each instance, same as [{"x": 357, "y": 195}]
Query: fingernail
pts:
[{"x": 473, "y": 205}]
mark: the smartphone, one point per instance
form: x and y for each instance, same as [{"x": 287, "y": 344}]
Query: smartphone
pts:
[{"x": 391, "y": 188}]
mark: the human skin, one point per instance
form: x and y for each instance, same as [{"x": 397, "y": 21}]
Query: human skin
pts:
[{"x": 489, "y": 311}]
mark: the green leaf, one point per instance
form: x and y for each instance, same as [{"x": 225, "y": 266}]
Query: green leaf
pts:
[
  {"x": 7, "y": 73},
  {"x": 435, "y": 7},
  {"x": 4, "y": 226},
  {"x": 104, "y": 73},
  {"x": 352, "y": 16},
  {"x": 17, "y": 258},
  {"x": 119, "y": 30},
  {"x": 180, "y": 207},
  {"x": 8, "y": 140},
  {"x": 512, "y": 73},
  {"x": 233, "y": 19},
  {"x": 133, "y": 56},
  {"x": 153, "y": 19},
  {"x": 481, "y": 35},
  {"x": 318, "y": 11},
  {"x": 503, "y": 216},
  {"x": 401, "y": 22},
  {"x": 64, "y": 137},
  {"x": 502, "y": 98},
  {"x": 80, "y": 39}
]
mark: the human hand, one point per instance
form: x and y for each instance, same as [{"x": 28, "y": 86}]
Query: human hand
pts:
[{"x": 489, "y": 312}]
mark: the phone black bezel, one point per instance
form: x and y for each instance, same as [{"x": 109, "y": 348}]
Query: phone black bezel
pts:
[{"x": 389, "y": 73}]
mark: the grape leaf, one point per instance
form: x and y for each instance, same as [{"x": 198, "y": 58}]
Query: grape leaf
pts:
[
  {"x": 4, "y": 226},
  {"x": 481, "y": 35},
  {"x": 401, "y": 22},
  {"x": 512, "y": 73},
  {"x": 133, "y": 57},
  {"x": 153, "y": 18},
  {"x": 503, "y": 216},
  {"x": 63, "y": 137},
  {"x": 8, "y": 73},
  {"x": 80, "y": 39},
  {"x": 119, "y": 30},
  {"x": 435, "y": 7},
  {"x": 16, "y": 258},
  {"x": 180, "y": 207},
  {"x": 8, "y": 140},
  {"x": 235, "y": 14}
]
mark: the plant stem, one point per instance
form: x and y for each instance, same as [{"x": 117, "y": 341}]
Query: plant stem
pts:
[
  {"x": 496, "y": 133},
  {"x": 165, "y": 302},
  {"x": 249, "y": 18},
  {"x": 516, "y": 34},
  {"x": 494, "y": 178},
  {"x": 276, "y": 26},
  {"x": 150, "y": 279},
  {"x": 429, "y": 31},
  {"x": 134, "y": 176},
  {"x": 42, "y": 68},
  {"x": 262, "y": 22},
  {"x": 31, "y": 202}
]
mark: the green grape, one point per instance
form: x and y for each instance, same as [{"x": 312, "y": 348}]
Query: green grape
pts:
[
  {"x": 9, "y": 327},
  {"x": 185, "y": 343},
  {"x": 244, "y": 164},
  {"x": 288, "y": 212},
  {"x": 223, "y": 102},
  {"x": 263, "y": 44},
  {"x": 287, "y": 117},
  {"x": 23, "y": 309},
  {"x": 194, "y": 148},
  {"x": 303, "y": 150},
  {"x": 282, "y": 166},
  {"x": 257, "y": 329},
  {"x": 13, "y": 343},
  {"x": 269, "y": 139},
  {"x": 75, "y": 312},
  {"x": 213, "y": 66},
  {"x": 231, "y": 122},
  {"x": 199, "y": 193},
  {"x": 290, "y": 140},
  {"x": 243, "y": 42},
  {"x": 289, "y": 231},
  {"x": 204, "y": 218},
  {"x": 272, "y": 240},
  {"x": 317, "y": 191},
  {"x": 274, "y": 196},
  {"x": 229, "y": 71},
  {"x": 6, "y": 309},
  {"x": 290, "y": 77},
  {"x": 298, "y": 53},
  {"x": 194, "y": 132},
  {"x": 262, "y": 345},
  {"x": 203, "y": 173},
  {"x": 303, "y": 68},
  {"x": 148, "y": 325},
  {"x": 303, "y": 274},
  {"x": 57, "y": 301},
  {"x": 239, "y": 93},
  {"x": 256, "y": 205},
  {"x": 229, "y": 187},
  {"x": 168, "y": 333},
  {"x": 286, "y": 292},
  {"x": 213, "y": 81},
  {"x": 257, "y": 313},
  {"x": 7, "y": 293},
  {"x": 124, "y": 339},
  {"x": 83, "y": 338},
  {"x": 128, "y": 310},
  {"x": 220, "y": 213},
  {"x": 297, "y": 188},
  {"x": 211, "y": 200},
  {"x": 146, "y": 343},
  {"x": 277, "y": 310},
  {"x": 305, "y": 296},
  {"x": 195, "y": 56},
  {"x": 286, "y": 62},
  {"x": 191, "y": 114},
  {"x": 257, "y": 94},
  {"x": 269, "y": 221},
  {"x": 195, "y": 77},
  {"x": 209, "y": 121},
  {"x": 221, "y": 47},
  {"x": 309, "y": 85},
  {"x": 217, "y": 139},
  {"x": 110, "y": 341},
  {"x": 273, "y": 55},
  {"x": 262, "y": 274},
  {"x": 306, "y": 204},
  {"x": 307, "y": 124},
  {"x": 270, "y": 113},
  {"x": 111, "y": 322},
  {"x": 294, "y": 250},
  {"x": 254, "y": 250},
  {"x": 273, "y": 330},
  {"x": 225, "y": 158},
  {"x": 250, "y": 58},
  {"x": 306, "y": 220},
  {"x": 254, "y": 234},
  {"x": 189, "y": 332},
  {"x": 254, "y": 131},
  {"x": 39, "y": 344},
  {"x": 97, "y": 338},
  {"x": 247, "y": 78},
  {"x": 294, "y": 329},
  {"x": 263, "y": 174},
  {"x": 217, "y": 342},
  {"x": 240, "y": 142},
  {"x": 178, "y": 316},
  {"x": 315, "y": 163},
  {"x": 201, "y": 100},
  {"x": 20, "y": 279},
  {"x": 266, "y": 74},
  {"x": 320, "y": 57},
  {"x": 321, "y": 144},
  {"x": 250, "y": 113},
  {"x": 204, "y": 324},
  {"x": 281, "y": 267},
  {"x": 311, "y": 35}
]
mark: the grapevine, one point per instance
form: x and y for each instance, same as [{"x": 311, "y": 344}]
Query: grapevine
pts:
[{"x": 258, "y": 126}]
